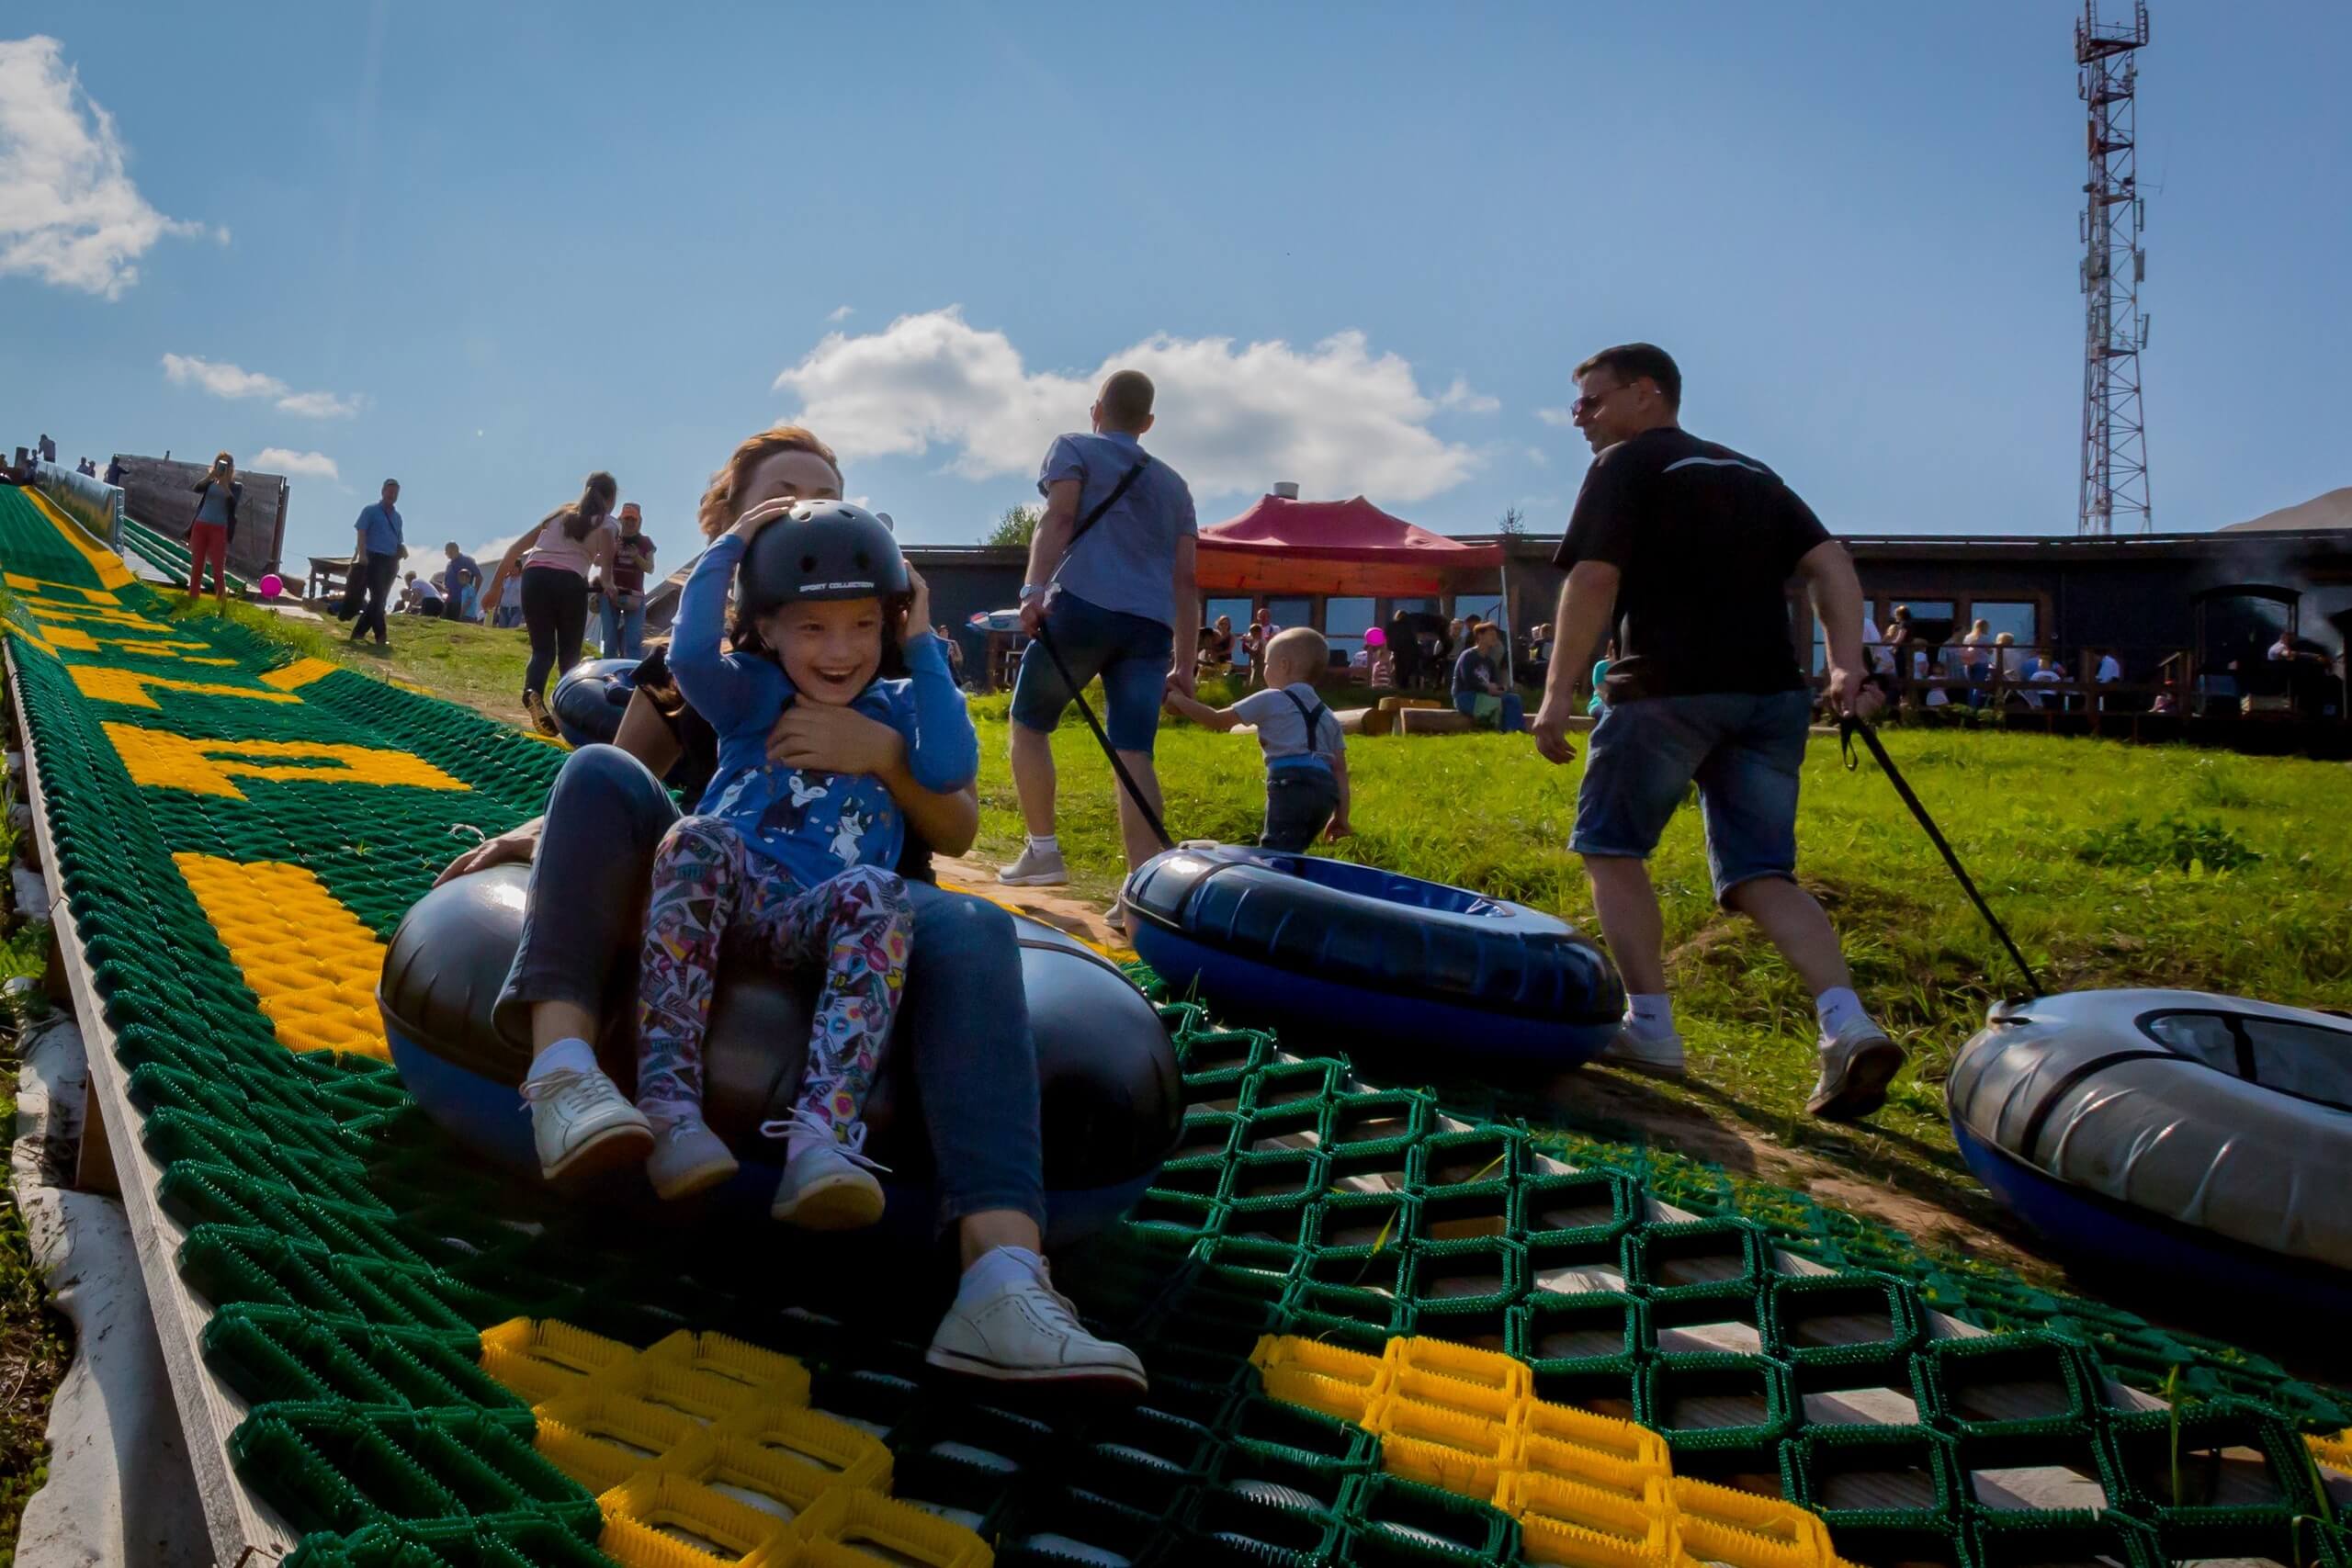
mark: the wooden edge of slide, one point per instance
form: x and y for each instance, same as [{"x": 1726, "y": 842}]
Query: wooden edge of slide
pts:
[{"x": 243, "y": 1529}]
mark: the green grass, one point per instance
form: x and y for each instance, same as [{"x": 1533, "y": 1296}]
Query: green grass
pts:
[
  {"x": 477, "y": 665},
  {"x": 2040, "y": 822}
]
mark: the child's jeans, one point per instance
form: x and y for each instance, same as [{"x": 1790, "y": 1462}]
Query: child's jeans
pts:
[
  {"x": 1299, "y": 804},
  {"x": 709, "y": 888},
  {"x": 1506, "y": 712}
]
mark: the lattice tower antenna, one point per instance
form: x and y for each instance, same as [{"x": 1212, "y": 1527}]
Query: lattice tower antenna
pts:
[{"x": 2115, "y": 442}]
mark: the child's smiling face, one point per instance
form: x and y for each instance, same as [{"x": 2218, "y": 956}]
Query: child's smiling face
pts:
[{"x": 831, "y": 648}]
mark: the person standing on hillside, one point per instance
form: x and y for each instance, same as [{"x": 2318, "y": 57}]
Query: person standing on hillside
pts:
[
  {"x": 375, "y": 562},
  {"x": 214, "y": 525},
  {"x": 1111, "y": 578},
  {"x": 461, "y": 584},
  {"x": 1683, "y": 546},
  {"x": 622, "y": 587}
]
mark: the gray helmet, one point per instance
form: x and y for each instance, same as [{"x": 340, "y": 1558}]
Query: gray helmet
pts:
[{"x": 821, "y": 550}]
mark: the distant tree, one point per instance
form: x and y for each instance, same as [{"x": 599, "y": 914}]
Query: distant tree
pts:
[
  {"x": 1017, "y": 526},
  {"x": 1513, "y": 523}
]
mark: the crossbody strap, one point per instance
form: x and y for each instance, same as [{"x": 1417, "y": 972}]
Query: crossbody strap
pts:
[{"x": 1095, "y": 513}]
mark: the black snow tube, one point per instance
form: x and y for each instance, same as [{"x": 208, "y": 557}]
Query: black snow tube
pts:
[{"x": 1112, "y": 1098}]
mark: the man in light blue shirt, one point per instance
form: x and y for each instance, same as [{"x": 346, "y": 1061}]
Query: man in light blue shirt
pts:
[
  {"x": 375, "y": 561},
  {"x": 1110, "y": 581}
]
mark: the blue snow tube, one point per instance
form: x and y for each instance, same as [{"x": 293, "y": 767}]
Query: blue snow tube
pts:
[
  {"x": 1112, "y": 1099},
  {"x": 590, "y": 698},
  {"x": 1368, "y": 960}
]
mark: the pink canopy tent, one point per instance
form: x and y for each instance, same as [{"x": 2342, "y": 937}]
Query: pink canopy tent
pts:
[{"x": 1341, "y": 547}]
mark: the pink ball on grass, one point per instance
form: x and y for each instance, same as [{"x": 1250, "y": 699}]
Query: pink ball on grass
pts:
[{"x": 271, "y": 586}]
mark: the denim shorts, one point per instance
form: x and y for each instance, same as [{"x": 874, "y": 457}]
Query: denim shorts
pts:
[
  {"x": 1744, "y": 753},
  {"x": 1129, "y": 652},
  {"x": 1300, "y": 801}
]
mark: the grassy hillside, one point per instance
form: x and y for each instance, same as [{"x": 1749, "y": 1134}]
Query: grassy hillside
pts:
[{"x": 2113, "y": 865}]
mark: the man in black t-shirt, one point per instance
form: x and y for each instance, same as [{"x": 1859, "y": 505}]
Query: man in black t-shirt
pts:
[{"x": 1685, "y": 548}]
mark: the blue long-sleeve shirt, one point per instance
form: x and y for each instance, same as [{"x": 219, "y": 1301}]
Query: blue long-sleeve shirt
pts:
[{"x": 813, "y": 824}]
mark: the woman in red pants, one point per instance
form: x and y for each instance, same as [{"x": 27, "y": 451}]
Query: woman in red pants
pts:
[{"x": 207, "y": 533}]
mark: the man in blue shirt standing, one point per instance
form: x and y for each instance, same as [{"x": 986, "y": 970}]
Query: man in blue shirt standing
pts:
[
  {"x": 376, "y": 559},
  {"x": 1110, "y": 579},
  {"x": 461, "y": 584}
]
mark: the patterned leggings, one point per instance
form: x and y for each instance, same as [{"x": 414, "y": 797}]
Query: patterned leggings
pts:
[{"x": 709, "y": 888}]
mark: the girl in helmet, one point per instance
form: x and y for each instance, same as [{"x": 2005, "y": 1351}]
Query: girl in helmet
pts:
[{"x": 796, "y": 861}]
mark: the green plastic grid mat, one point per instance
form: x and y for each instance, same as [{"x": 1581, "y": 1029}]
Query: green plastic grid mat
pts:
[
  {"x": 352, "y": 1258},
  {"x": 169, "y": 556}
]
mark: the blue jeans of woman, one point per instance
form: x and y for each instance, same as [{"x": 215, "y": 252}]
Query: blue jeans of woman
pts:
[
  {"x": 963, "y": 1017},
  {"x": 624, "y": 629}
]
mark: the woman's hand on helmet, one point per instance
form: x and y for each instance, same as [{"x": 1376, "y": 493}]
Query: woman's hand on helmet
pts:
[
  {"x": 919, "y": 604},
  {"x": 749, "y": 526}
]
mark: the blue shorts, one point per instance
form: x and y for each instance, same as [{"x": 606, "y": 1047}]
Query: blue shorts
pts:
[
  {"x": 1130, "y": 653},
  {"x": 1744, "y": 753}
]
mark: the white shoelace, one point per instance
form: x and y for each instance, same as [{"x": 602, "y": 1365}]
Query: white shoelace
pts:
[
  {"x": 850, "y": 1148},
  {"x": 558, "y": 1085}
]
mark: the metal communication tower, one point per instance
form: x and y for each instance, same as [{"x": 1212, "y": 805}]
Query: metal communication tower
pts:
[{"x": 2115, "y": 445}]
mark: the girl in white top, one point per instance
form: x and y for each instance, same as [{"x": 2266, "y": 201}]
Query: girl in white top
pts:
[{"x": 554, "y": 559}]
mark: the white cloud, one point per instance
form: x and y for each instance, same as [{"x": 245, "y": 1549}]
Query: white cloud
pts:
[
  {"x": 280, "y": 460},
  {"x": 1560, "y": 417},
  {"x": 1540, "y": 457},
  {"x": 841, "y": 313},
  {"x": 321, "y": 405},
  {"x": 1460, "y": 397},
  {"x": 225, "y": 380},
  {"x": 492, "y": 551},
  {"x": 69, "y": 212},
  {"x": 220, "y": 379},
  {"x": 1335, "y": 417}
]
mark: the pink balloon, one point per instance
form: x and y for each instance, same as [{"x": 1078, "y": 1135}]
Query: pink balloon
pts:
[
  {"x": 1375, "y": 637},
  {"x": 271, "y": 586}
]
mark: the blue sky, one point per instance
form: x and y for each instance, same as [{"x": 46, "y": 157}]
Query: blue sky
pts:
[{"x": 488, "y": 247}]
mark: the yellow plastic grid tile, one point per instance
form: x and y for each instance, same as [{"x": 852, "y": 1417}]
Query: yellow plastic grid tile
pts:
[
  {"x": 1586, "y": 1466},
  {"x": 2335, "y": 1452},
  {"x": 159, "y": 760},
  {"x": 1565, "y": 1523},
  {"x": 726, "y": 1363},
  {"x": 1441, "y": 1446},
  {"x": 603, "y": 1439},
  {"x": 675, "y": 1385},
  {"x": 1635, "y": 1445},
  {"x": 817, "y": 1444},
  {"x": 1482, "y": 1400},
  {"x": 547, "y": 1360},
  {"x": 1505, "y": 1375},
  {"x": 1332, "y": 1396},
  {"x": 132, "y": 688},
  {"x": 737, "y": 1467},
  {"x": 661, "y": 1519},
  {"x": 1741, "y": 1529},
  {"x": 852, "y": 1528}
]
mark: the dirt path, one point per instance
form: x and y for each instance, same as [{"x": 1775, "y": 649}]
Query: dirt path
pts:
[{"x": 1061, "y": 908}]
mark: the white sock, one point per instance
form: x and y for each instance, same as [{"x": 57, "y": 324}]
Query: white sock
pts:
[
  {"x": 1651, "y": 1015},
  {"x": 1051, "y": 844},
  {"x": 572, "y": 1055},
  {"x": 1839, "y": 1008},
  {"x": 1000, "y": 1267}
]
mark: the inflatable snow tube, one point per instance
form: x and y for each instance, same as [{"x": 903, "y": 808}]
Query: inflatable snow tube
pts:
[
  {"x": 1366, "y": 959},
  {"x": 1112, "y": 1099},
  {"x": 2203, "y": 1139},
  {"x": 590, "y": 698}
]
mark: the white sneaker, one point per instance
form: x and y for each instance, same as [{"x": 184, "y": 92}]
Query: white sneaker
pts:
[
  {"x": 1024, "y": 1331},
  {"x": 1855, "y": 1066},
  {"x": 1658, "y": 1056},
  {"x": 1036, "y": 868},
  {"x": 583, "y": 1125},
  {"x": 687, "y": 1158},
  {"x": 827, "y": 1182}
]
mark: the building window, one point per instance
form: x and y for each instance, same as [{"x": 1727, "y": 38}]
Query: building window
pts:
[
  {"x": 1344, "y": 621},
  {"x": 2021, "y": 618},
  {"x": 1291, "y": 611},
  {"x": 1238, "y": 610}
]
